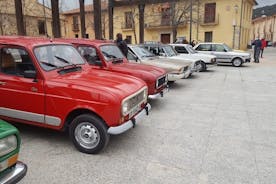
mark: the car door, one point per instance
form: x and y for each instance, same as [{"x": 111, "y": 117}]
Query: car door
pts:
[
  {"x": 21, "y": 98},
  {"x": 219, "y": 51},
  {"x": 204, "y": 48}
]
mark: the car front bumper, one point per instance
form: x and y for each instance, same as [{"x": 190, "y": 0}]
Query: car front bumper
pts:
[
  {"x": 130, "y": 123},
  {"x": 247, "y": 60},
  {"x": 174, "y": 76},
  {"x": 160, "y": 94},
  {"x": 15, "y": 174}
]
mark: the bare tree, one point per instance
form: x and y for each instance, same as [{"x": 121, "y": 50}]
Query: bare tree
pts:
[
  {"x": 56, "y": 19},
  {"x": 19, "y": 17},
  {"x": 97, "y": 19},
  {"x": 179, "y": 14},
  {"x": 82, "y": 19}
]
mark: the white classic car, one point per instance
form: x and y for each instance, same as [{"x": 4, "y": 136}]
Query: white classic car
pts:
[
  {"x": 224, "y": 53},
  {"x": 175, "y": 69},
  {"x": 166, "y": 51},
  {"x": 188, "y": 51}
]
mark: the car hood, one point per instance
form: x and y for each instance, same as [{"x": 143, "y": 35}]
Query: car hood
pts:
[
  {"x": 139, "y": 70},
  {"x": 168, "y": 64},
  {"x": 198, "y": 57},
  {"x": 239, "y": 52},
  {"x": 6, "y": 129},
  {"x": 118, "y": 85},
  {"x": 183, "y": 58}
]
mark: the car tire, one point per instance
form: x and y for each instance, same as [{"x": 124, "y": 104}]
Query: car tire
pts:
[
  {"x": 237, "y": 62},
  {"x": 202, "y": 67},
  {"x": 89, "y": 133}
]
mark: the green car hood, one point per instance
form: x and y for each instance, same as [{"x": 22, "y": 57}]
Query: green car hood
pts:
[{"x": 7, "y": 129}]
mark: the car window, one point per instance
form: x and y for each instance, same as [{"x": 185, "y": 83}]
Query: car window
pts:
[
  {"x": 155, "y": 50},
  {"x": 15, "y": 61},
  {"x": 181, "y": 49},
  {"x": 51, "y": 57},
  {"x": 89, "y": 53},
  {"x": 204, "y": 47},
  {"x": 218, "y": 48},
  {"x": 131, "y": 56},
  {"x": 111, "y": 52},
  {"x": 169, "y": 51},
  {"x": 142, "y": 52}
]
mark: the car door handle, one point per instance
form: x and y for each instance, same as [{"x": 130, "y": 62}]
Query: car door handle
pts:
[{"x": 2, "y": 83}]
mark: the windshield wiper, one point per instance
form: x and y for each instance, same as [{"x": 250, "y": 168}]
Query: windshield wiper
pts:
[
  {"x": 48, "y": 64},
  {"x": 62, "y": 59},
  {"x": 108, "y": 55}
]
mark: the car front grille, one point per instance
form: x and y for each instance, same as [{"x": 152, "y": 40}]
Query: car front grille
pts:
[
  {"x": 137, "y": 99},
  {"x": 161, "y": 81}
]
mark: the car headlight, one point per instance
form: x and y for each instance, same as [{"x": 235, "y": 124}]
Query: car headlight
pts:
[
  {"x": 8, "y": 144},
  {"x": 125, "y": 108}
]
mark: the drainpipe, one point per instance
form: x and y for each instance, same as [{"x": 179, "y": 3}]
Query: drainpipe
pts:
[
  {"x": 273, "y": 28},
  {"x": 240, "y": 24}
]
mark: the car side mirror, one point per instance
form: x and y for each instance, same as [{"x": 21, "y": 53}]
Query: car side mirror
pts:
[{"x": 30, "y": 74}]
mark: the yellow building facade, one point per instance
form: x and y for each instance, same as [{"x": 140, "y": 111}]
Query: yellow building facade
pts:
[
  {"x": 212, "y": 20},
  {"x": 37, "y": 19},
  {"x": 73, "y": 24}
]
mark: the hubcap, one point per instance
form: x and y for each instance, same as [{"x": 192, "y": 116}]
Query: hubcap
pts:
[
  {"x": 87, "y": 135},
  {"x": 237, "y": 62}
]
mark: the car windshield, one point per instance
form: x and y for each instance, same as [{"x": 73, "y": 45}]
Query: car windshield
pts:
[
  {"x": 169, "y": 51},
  {"x": 111, "y": 52},
  {"x": 191, "y": 49},
  {"x": 142, "y": 52},
  {"x": 51, "y": 57},
  {"x": 227, "y": 48}
]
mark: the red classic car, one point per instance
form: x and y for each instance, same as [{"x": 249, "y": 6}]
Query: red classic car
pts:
[
  {"x": 47, "y": 83},
  {"x": 105, "y": 55}
]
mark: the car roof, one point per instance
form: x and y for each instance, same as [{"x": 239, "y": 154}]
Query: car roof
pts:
[
  {"x": 179, "y": 44},
  {"x": 85, "y": 41},
  {"x": 210, "y": 43},
  {"x": 26, "y": 41},
  {"x": 155, "y": 44}
]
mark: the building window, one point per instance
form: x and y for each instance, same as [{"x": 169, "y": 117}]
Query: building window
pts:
[
  {"x": 75, "y": 23},
  {"x": 165, "y": 16},
  {"x": 41, "y": 27},
  {"x": 128, "y": 39},
  {"x": 128, "y": 20},
  {"x": 208, "y": 36},
  {"x": 210, "y": 13}
]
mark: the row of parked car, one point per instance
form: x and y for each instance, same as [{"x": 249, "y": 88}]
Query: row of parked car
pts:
[{"x": 85, "y": 87}]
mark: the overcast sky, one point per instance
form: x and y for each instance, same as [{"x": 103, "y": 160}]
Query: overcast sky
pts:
[
  {"x": 265, "y": 2},
  {"x": 71, "y": 4}
]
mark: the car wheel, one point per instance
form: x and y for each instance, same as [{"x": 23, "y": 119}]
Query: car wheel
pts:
[
  {"x": 202, "y": 67},
  {"x": 237, "y": 62},
  {"x": 88, "y": 133}
]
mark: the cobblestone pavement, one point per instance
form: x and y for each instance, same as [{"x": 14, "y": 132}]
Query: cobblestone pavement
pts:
[{"x": 216, "y": 127}]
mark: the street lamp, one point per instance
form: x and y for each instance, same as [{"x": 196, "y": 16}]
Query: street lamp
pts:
[{"x": 234, "y": 25}]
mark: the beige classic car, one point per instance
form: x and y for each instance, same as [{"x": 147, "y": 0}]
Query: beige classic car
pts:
[{"x": 175, "y": 68}]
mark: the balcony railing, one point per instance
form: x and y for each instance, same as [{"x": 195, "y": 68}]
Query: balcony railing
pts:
[
  {"x": 162, "y": 24},
  {"x": 205, "y": 22}
]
